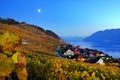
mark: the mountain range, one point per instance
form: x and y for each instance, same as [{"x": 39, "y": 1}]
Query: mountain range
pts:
[{"x": 107, "y": 36}]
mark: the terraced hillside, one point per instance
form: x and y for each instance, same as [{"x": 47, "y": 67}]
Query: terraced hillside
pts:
[{"x": 34, "y": 38}]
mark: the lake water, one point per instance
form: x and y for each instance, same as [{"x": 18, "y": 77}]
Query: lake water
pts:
[{"x": 112, "y": 50}]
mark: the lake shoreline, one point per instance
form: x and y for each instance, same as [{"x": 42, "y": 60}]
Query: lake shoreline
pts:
[{"x": 112, "y": 50}]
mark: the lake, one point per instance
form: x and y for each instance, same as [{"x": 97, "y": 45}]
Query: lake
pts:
[{"x": 111, "y": 49}]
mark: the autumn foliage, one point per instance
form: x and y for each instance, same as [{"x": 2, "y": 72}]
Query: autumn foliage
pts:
[
  {"x": 8, "y": 41},
  {"x": 41, "y": 67},
  {"x": 11, "y": 61}
]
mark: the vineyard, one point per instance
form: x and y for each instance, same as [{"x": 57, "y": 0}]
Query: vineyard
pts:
[
  {"x": 20, "y": 65},
  {"x": 42, "y": 67}
]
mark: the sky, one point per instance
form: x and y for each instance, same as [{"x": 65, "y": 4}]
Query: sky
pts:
[{"x": 67, "y": 18}]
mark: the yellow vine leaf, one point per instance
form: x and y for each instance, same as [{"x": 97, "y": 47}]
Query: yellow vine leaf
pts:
[
  {"x": 77, "y": 74},
  {"x": 84, "y": 73},
  {"x": 6, "y": 65},
  {"x": 8, "y": 41},
  {"x": 15, "y": 57},
  {"x": 103, "y": 77},
  {"x": 93, "y": 74}
]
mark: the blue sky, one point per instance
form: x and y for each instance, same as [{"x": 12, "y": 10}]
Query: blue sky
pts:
[{"x": 65, "y": 17}]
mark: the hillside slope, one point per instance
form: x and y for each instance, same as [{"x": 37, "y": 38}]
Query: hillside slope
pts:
[{"x": 34, "y": 38}]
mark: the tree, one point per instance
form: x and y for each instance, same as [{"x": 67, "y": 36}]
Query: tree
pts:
[{"x": 8, "y": 21}]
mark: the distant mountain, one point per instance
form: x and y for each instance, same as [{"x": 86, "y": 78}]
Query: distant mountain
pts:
[
  {"x": 34, "y": 38},
  {"x": 109, "y": 36}
]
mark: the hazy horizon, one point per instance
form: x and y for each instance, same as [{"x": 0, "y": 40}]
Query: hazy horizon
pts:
[{"x": 67, "y": 18}]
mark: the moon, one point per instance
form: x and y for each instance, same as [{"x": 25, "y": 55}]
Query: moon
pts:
[{"x": 39, "y": 10}]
